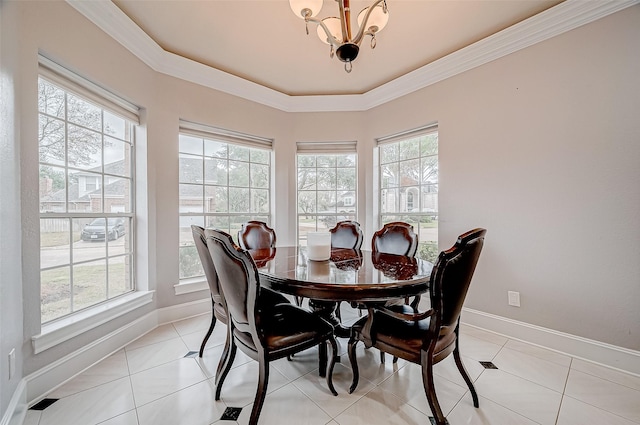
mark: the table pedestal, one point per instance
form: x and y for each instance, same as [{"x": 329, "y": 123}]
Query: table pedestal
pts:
[{"x": 327, "y": 310}]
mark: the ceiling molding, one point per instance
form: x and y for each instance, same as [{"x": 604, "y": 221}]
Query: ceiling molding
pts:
[{"x": 550, "y": 23}]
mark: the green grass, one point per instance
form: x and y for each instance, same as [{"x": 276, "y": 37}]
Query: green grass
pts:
[{"x": 51, "y": 239}]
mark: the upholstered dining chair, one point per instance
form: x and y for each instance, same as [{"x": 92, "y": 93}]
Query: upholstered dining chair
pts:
[
  {"x": 426, "y": 338},
  {"x": 265, "y": 337},
  {"x": 396, "y": 238},
  {"x": 346, "y": 234},
  {"x": 268, "y": 297},
  {"x": 256, "y": 235}
]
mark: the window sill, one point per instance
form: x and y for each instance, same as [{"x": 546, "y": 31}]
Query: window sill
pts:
[
  {"x": 187, "y": 286},
  {"x": 64, "y": 329}
]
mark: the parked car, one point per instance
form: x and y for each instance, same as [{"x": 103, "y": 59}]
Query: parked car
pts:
[{"x": 95, "y": 231}]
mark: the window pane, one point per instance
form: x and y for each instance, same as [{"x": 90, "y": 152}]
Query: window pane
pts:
[
  {"x": 346, "y": 179},
  {"x": 326, "y": 202},
  {"x": 85, "y": 148},
  {"x": 89, "y": 284},
  {"x": 389, "y": 153},
  {"x": 306, "y": 178},
  {"x": 429, "y": 144},
  {"x": 117, "y": 195},
  {"x": 326, "y": 178},
  {"x": 390, "y": 175},
  {"x": 84, "y": 113},
  {"x": 94, "y": 233},
  {"x": 117, "y": 157},
  {"x": 240, "y": 153},
  {"x": 326, "y": 161},
  {"x": 410, "y": 172},
  {"x": 347, "y": 160},
  {"x": 259, "y": 175},
  {"x": 53, "y": 192},
  {"x": 51, "y": 140},
  {"x": 55, "y": 249},
  {"x": 238, "y": 199},
  {"x": 259, "y": 201},
  {"x": 430, "y": 170},
  {"x": 190, "y": 169},
  {"x": 216, "y": 199},
  {"x": 191, "y": 198},
  {"x": 409, "y": 149},
  {"x": 190, "y": 144},
  {"x": 55, "y": 293},
  {"x": 85, "y": 192},
  {"x": 306, "y": 161},
  {"x": 215, "y": 149},
  {"x": 115, "y": 126},
  {"x": 238, "y": 174},
  {"x": 190, "y": 265},
  {"x": 306, "y": 202},
  {"x": 347, "y": 201},
  {"x": 186, "y": 221},
  {"x": 120, "y": 280},
  {"x": 260, "y": 156},
  {"x": 119, "y": 231},
  {"x": 51, "y": 99},
  {"x": 216, "y": 171},
  {"x": 218, "y": 222}
]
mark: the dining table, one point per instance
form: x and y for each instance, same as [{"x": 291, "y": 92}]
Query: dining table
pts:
[{"x": 360, "y": 277}]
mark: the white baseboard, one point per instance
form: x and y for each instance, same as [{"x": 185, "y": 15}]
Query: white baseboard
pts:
[
  {"x": 43, "y": 381},
  {"x": 17, "y": 408},
  {"x": 620, "y": 358}
]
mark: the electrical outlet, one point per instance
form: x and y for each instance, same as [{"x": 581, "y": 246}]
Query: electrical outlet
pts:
[
  {"x": 514, "y": 298},
  {"x": 12, "y": 363}
]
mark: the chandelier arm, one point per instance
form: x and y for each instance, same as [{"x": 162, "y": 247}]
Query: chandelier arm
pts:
[
  {"x": 330, "y": 37},
  {"x": 363, "y": 30},
  {"x": 345, "y": 20}
]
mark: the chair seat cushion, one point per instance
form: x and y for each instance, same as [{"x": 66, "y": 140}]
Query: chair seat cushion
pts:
[
  {"x": 290, "y": 326},
  {"x": 404, "y": 335}
]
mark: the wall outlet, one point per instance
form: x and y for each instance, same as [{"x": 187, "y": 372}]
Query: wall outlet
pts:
[
  {"x": 514, "y": 298},
  {"x": 12, "y": 363}
]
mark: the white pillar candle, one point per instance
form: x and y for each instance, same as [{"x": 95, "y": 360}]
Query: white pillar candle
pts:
[{"x": 318, "y": 246}]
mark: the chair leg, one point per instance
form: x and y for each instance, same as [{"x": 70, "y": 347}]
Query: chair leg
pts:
[
  {"x": 261, "y": 392},
  {"x": 224, "y": 357},
  {"x": 354, "y": 363},
  {"x": 211, "y": 326},
  {"x": 226, "y": 367},
  {"x": 465, "y": 375},
  {"x": 429, "y": 388},
  {"x": 332, "y": 362}
]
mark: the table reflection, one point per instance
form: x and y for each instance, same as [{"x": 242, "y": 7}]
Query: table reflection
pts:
[{"x": 396, "y": 267}]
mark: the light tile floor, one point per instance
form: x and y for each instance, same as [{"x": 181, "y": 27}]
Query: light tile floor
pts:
[{"x": 151, "y": 382}]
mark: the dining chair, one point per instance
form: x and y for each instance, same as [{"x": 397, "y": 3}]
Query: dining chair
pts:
[
  {"x": 263, "y": 336},
  {"x": 256, "y": 235},
  {"x": 426, "y": 338},
  {"x": 395, "y": 238},
  {"x": 346, "y": 234},
  {"x": 267, "y": 298}
]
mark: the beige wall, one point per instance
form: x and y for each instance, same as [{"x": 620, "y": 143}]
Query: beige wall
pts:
[{"x": 540, "y": 147}]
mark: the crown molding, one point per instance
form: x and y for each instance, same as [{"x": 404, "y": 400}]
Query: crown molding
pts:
[{"x": 554, "y": 21}]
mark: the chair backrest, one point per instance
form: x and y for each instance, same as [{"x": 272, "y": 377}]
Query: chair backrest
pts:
[
  {"x": 207, "y": 263},
  {"x": 451, "y": 276},
  {"x": 346, "y": 234},
  {"x": 397, "y": 267},
  {"x": 256, "y": 235},
  {"x": 238, "y": 279},
  {"x": 395, "y": 238}
]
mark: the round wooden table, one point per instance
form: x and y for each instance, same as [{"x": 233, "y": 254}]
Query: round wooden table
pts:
[{"x": 356, "y": 276}]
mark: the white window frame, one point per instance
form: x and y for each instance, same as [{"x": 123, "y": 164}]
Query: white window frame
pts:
[
  {"x": 65, "y": 327},
  {"x": 417, "y": 190},
  {"x": 206, "y": 133},
  {"x": 319, "y": 149}
]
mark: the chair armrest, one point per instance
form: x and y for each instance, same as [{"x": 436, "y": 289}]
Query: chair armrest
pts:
[{"x": 416, "y": 317}]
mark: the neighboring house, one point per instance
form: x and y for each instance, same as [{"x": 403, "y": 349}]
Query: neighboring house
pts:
[{"x": 85, "y": 194}]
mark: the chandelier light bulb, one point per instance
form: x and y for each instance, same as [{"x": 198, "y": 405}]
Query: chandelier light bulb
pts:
[
  {"x": 335, "y": 28},
  {"x": 378, "y": 18}
]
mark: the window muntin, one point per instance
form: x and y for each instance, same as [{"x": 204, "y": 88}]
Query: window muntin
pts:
[
  {"x": 409, "y": 187},
  {"x": 86, "y": 202},
  {"x": 221, "y": 185},
  {"x": 327, "y": 186}
]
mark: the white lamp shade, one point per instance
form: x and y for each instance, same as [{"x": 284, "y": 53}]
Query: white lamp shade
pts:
[
  {"x": 335, "y": 28},
  {"x": 299, "y": 5},
  {"x": 377, "y": 18}
]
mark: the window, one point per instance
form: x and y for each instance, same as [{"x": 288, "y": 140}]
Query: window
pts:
[
  {"x": 86, "y": 149},
  {"x": 409, "y": 184},
  {"x": 225, "y": 180},
  {"x": 327, "y": 186}
]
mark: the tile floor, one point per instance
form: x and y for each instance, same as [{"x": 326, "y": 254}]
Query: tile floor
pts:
[{"x": 155, "y": 380}]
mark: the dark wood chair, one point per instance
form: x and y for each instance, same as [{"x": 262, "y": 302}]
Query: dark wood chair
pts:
[
  {"x": 396, "y": 238},
  {"x": 263, "y": 336},
  {"x": 219, "y": 312},
  {"x": 256, "y": 235},
  {"x": 346, "y": 234},
  {"x": 426, "y": 338}
]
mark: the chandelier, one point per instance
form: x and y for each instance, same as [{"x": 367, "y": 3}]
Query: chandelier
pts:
[{"x": 337, "y": 31}]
